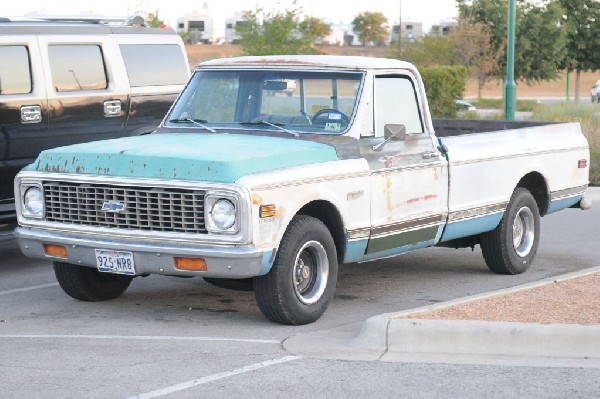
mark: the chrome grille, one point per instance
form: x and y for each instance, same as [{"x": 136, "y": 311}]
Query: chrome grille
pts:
[{"x": 146, "y": 208}]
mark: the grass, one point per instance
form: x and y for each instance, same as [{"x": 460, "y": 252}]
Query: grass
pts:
[
  {"x": 497, "y": 103},
  {"x": 588, "y": 118}
]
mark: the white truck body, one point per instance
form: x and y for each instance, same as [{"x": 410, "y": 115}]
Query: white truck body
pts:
[{"x": 372, "y": 182}]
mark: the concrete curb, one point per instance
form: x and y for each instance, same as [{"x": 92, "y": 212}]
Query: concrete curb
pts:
[{"x": 389, "y": 337}]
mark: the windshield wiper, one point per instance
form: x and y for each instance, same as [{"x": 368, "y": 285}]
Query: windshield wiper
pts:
[
  {"x": 275, "y": 125},
  {"x": 198, "y": 122}
]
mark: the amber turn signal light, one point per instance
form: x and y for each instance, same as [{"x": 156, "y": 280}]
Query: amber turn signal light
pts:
[
  {"x": 266, "y": 211},
  {"x": 58, "y": 251},
  {"x": 195, "y": 264}
]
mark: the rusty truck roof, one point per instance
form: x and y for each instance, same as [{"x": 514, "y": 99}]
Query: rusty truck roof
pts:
[{"x": 310, "y": 61}]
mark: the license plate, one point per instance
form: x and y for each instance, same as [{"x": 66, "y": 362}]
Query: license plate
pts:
[{"x": 119, "y": 262}]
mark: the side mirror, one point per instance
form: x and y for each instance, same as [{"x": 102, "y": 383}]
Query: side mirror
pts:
[
  {"x": 394, "y": 132},
  {"x": 391, "y": 132}
]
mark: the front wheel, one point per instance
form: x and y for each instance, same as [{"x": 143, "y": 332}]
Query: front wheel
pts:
[
  {"x": 301, "y": 282},
  {"x": 87, "y": 284},
  {"x": 511, "y": 247}
]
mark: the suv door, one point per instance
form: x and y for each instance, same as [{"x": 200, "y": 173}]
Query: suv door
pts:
[
  {"x": 154, "y": 86},
  {"x": 409, "y": 175},
  {"x": 86, "y": 99},
  {"x": 23, "y": 112}
]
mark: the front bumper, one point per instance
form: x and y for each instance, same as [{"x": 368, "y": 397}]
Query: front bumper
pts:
[{"x": 150, "y": 258}]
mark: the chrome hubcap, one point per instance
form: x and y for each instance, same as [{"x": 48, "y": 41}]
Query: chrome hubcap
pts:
[
  {"x": 523, "y": 231},
  {"x": 311, "y": 271}
]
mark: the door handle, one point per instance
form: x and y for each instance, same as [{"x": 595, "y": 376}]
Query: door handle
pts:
[
  {"x": 112, "y": 108},
  {"x": 31, "y": 114}
]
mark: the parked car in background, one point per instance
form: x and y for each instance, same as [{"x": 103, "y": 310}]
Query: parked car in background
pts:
[
  {"x": 462, "y": 105},
  {"x": 596, "y": 92},
  {"x": 65, "y": 81}
]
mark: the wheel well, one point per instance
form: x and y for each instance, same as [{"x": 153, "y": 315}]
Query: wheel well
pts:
[
  {"x": 329, "y": 215},
  {"x": 536, "y": 184}
]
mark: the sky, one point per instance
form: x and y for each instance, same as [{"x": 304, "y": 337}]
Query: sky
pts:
[{"x": 429, "y": 12}]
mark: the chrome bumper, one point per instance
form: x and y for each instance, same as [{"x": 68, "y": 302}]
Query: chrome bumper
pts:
[{"x": 222, "y": 262}]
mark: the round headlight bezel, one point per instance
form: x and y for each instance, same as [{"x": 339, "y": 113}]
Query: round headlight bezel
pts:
[
  {"x": 218, "y": 219},
  {"x": 33, "y": 201}
]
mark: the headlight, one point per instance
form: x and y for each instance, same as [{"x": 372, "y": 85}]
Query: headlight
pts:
[
  {"x": 33, "y": 201},
  {"x": 221, "y": 214}
]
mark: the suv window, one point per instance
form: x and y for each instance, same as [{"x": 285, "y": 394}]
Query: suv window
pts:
[
  {"x": 15, "y": 73},
  {"x": 77, "y": 67},
  {"x": 154, "y": 65}
]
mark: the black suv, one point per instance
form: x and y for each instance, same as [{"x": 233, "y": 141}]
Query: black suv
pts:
[{"x": 66, "y": 81}]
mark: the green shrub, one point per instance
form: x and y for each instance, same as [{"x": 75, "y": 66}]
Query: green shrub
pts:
[{"x": 443, "y": 85}]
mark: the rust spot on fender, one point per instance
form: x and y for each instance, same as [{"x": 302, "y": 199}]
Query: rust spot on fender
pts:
[{"x": 256, "y": 199}]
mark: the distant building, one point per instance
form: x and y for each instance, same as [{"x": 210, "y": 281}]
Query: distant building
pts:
[
  {"x": 199, "y": 26},
  {"x": 410, "y": 31},
  {"x": 443, "y": 28},
  {"x": 342, "y": 35},
  {"x": 231, "y": 24}
]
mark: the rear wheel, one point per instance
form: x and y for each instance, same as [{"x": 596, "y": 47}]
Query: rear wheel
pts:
[
  {"x": 87, "y": 284},
  {"x": 511, "y": 247},
  {"x": 301, "y": 282}
]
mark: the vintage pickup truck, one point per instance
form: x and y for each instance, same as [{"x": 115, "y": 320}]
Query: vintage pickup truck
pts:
[{"x": 268, "y": 172}]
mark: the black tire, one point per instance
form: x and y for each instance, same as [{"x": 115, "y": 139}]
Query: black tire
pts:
[
  {"x": 302, "y": 281},
  {"x": 87, "y": 284},
  {"x": 244, "y": 284},
  {"x": 511, "y": 247}
]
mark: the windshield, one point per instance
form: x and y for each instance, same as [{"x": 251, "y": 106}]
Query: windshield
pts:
[{"x": 292, "y": 101}]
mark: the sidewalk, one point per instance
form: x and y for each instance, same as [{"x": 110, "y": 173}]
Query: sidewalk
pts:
[{"x": 394, "y": 337}]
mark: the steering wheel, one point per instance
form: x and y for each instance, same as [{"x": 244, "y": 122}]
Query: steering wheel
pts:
[{"x": 326, "y": 111}]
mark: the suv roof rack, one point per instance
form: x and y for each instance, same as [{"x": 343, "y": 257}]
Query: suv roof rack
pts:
[{"x": 127, "y": 21}]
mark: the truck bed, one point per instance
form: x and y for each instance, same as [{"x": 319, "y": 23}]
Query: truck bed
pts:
[{"x": 446, "y": 127}]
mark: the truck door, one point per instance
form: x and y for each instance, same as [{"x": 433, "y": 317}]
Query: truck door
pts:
[
  {"x": 86, "y": 100},
  {"x": 409, "y": 175},
  {"x": 23, "y": 112}
]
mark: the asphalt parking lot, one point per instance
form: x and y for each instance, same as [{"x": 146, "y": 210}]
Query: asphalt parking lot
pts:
[{"x": 179, "y": 338}]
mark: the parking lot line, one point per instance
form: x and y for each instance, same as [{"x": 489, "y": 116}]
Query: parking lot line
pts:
[
  {"x": 210, "y": 378},
  {"x": 141, "y": 338},
  {"x": 24, "y": 289}
]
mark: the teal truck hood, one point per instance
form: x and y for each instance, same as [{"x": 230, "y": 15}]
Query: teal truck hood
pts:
[{"x": 219, "y": 157}]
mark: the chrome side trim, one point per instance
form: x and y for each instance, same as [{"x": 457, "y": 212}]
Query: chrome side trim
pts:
[
  {"x": 427, "y": 165},
  {"x": 407, "y": 225},
  {"x": 476, "y": 212},
  {"x": 568, "y": 192},
  {"x": 311, "y": 180},
  {"x": 358, "y": 234},
  {"x": 527, "y": 154}
]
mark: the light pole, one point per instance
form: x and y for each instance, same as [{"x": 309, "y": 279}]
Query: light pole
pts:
[
  {"x": 510, "y": 89},
  {"x": 400, "y": 30}
]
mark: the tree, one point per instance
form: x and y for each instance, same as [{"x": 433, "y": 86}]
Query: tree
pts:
[
  {"x": 429, "y": 50},
  {"x": 314, "y": 29},
  {"x": 371, "y": 27},
  {"x": 153, "y": 20},
  {"x": 540, "y": 39},
  {"x": 582, "y": 24},
  {"x": 277, "y": 34},
  {"x": 474, "y": 49}
]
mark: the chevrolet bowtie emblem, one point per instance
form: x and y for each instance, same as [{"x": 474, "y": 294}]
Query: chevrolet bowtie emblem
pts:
[{"x": 113, "y": 206}]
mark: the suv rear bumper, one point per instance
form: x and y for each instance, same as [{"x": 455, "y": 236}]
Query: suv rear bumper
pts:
[{"x": 150, "y": 258}]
